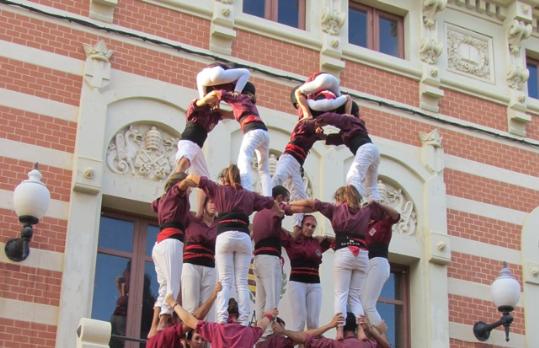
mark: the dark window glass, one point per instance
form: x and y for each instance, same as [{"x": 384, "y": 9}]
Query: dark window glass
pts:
[
  {"x": 254, "y": 7},
  {"x": 357, "y": 27},
  {"x": 116, "y": 234},
  {"x": 533, "y": 80},
  {"x": 388, "y": 313},
  {"x": 392, "y": 307},
  {"x": 149, "y": 295},
  {"x": 288, "y": 12},
  {"x": 389, "y": 36},
  {"x": 151, "y": 237}
]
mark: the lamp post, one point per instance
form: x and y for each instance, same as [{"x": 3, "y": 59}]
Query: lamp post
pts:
[
  {"x": 505, "y": 292},
  {"x": 30, "y": 199}
]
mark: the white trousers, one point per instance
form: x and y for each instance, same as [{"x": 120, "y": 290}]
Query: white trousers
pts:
[
  {"x": 167, "y": 257},
  {"x": 193, "y": 152},
  {"x": 327, "y": 104},
  {"x": 322, "y": 82},
  {"x": 233, "y": 250},
  {"x": 217, "y": 76},
  {"x": 377, "y": 275},
  {"x": 364, "y": 171},
  {"x": 198, "y": 283},
  {"x": 289, "y": 171},
  {"x": 269, "y": 275},
  {"x": 255, "y": 143},
  {"x": 349, "y": 274},
  {"x": 305, "y": 303}
]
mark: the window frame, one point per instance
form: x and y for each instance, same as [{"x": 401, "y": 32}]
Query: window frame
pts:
[
  {"x": 373, "y": 31},
  {"x": 271, "y": 12},
  {"x": 136, "y": 280},
  {"x": 533, "y": 61}
]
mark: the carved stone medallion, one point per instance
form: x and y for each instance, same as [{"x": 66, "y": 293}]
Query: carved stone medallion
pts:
[
  {"x": 399, "y": 200},
  {"x": 142, "y": 150}
]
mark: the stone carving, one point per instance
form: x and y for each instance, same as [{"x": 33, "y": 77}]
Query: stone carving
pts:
[
  {"x": 142, "y": 150},
  {"x": 97, "y": 67},
  {"x": 226, "y": 2},
  {"x": 469, "y": 54},
  {"x": 431, "y": 151},
  {"x": 489, "y": 7},
  {"x": 398, "y": 200},
  {"x": 332, "y": 21},
  {"x": 518, "y": 31},
  {"x": 430, "y": 9},
  {"x": 430, "y": 50},
  {"x": 517, "y": 76}
]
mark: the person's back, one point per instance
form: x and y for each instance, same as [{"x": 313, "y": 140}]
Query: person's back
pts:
[
  {"x": 347, "y": 342},
  {"x": 229, "y": 335}
]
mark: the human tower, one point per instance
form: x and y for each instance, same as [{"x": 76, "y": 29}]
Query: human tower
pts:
[{"x": 216, "y": 243}]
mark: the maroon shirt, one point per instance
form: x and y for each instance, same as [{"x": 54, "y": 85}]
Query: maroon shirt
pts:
[
  {"x": 302, "y": 139},
  {"x": 199, "y": 247},
  {"x": 350, "y": 342},
  {"x": 305, "y": 254},
  {"x": 244, "y": 110},
  {"x": 267, "y": 231},
  {"x": 229, "y": 335},
  {"x": 200, "y": 121},
  {"x": 276, "y": 341},
  {"x": 353, "y": 132},
  {"x": 378, "y": 236},
  {"x": 172, "y": 210},
  {"x": 168, "y": 337}
]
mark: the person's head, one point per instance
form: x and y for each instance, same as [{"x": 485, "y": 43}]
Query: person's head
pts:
[
  {"x": 280, "y": 194},
  {"x": 173, "y": 179},
  {"x": 355, "y": 109},
  {"x": 194, "y": 340},
  {"x": 348, "y": 194},
  {"x": 233, "y": 311},
  {"x": 308, "y": 225},
  {"x": 350, "y": 323},
  {"x": 231, "y": 176},
  {"x": 250, "y": 90},
  {"x": 209, "y": 207}
]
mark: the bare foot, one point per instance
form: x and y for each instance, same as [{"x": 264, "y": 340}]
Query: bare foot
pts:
[{"x": 340, "y": 335}]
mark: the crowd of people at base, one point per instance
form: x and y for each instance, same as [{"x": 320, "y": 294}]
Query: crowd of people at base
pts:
[{"x": 216, "y": 243}]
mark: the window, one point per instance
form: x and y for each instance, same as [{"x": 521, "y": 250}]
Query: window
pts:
[
  {"x": 533, "y": 80},
  {"x": 288, "y": 12},
  {"x": 393, "y": 307},
  {"x": 376, "y": 30},
  {"x": 125, "y": 277}
]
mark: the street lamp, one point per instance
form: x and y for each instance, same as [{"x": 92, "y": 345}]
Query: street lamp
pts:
[
  {"x": 505, "y": 292},
  {"x": 30, "y": 199}
]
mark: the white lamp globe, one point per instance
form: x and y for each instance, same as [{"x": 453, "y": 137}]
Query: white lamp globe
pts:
[
  {"x": 505, "y": 290},
  {"x": 31, "y": 197}
]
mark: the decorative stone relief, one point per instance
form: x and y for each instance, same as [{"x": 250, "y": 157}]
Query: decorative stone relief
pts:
[
  {"x": 517, "y": 77},
  {"x": 518, "y": 31},
  {"x": 222, "y": 32},
  {"x": 103, "y": 10},
  {"x": 398, "y": 200},
  {"x": 469, "y": 53},
  {"x": 430, "y": 50},
  {"x": 332, "y": 21},
  {"x": 430, "y": 9},
  {"x": 142, "y": 150},
  {"x": 432, "y": 153},
  {"x": 97, "y": 67}
]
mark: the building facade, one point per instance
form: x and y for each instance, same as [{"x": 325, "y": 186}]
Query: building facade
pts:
[{"x": 96, "y": 91}]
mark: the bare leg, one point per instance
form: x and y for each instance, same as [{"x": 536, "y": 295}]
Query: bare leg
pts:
[{"x": 155, "y": 321}]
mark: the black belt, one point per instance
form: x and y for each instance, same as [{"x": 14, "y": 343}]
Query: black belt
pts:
[
  {"x": 195, "y": 133},
  {"x": 358, "y": 141},
  {"x": 343, "y": 241},
  {"x": 232, "y": 222}
]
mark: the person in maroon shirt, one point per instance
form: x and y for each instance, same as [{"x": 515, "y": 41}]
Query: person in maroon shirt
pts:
[
  {"x": 171, "y": 336},
  {"x": 233, "y": 246},
  {"x": 304, "y": 290},
  {"x": 377, "y": 240},
  {"x": 276, "y": 340},
  {"x": 231, "y": 334},
  {"x": 255, "y": 141},
  {"x": 363, "y": 172},
  {"x": 306, "y": 96},
  {"x": 198, "y": 273},
  {"x": 267, "y": 261},
  {"x": 172, "y": 210},
  {"x": 349, "y": 222}
]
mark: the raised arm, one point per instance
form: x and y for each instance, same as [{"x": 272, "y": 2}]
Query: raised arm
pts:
[
  {"x": 301, "y": 336},
  {"x": 191, "y": 181},
  {"x": 302, "y": 206},
  {"x": 211, "y": 99},
  {"x": 202, "y": 311},
  {"x": 374, "y": 332},
  {"x": 337, "y": 318},
  {"x": 187, "y": 318},
  {"x": 301, "y": 99},
  {"x": 267, "y": 319}
]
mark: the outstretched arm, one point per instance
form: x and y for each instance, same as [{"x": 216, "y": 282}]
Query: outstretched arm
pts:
[
  {"x": 267, "y": 319},
  {"x": 191, "y": 181},
  {"x": 374, "y": 332},
  {"x": 187, "y": 318},
  {"x": 303, "y": 105},
  {"x": 211, "y": 99},
  {"x": 301, "y": 336},
  {"x": 302, "y": 206},
  {"x": 202, "y": 311}
]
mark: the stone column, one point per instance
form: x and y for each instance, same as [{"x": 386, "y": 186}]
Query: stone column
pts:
[
  {"x": 331, "y": 22},
  {"x": 222, "y": 33}
]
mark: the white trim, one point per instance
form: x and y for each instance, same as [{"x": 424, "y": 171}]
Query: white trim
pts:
[
  {"x": 41, "y": 58},
  {"x": 464, "y": 332},
  {"x": 38, "y": 105},
  {"x": 28, "y": 311},
  {"x": 57, "y": 209},
  {"x": 488, "y": 251},
  {"x": 486, "y": 210},
  {"x": 474, "y": 290},
  {"x": 38, "y": 258},
  {"x": 34, "y": 153}
]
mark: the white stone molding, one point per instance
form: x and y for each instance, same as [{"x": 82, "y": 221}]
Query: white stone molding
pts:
[
  {"x": 222, "y": 33},
  {"x": 491, "y": 8},
  {"x": 332, "y": 20},
  {"x": 92, "y": 333},
  {"x": 432, "y": 153},
  {"x": 530, "y": 262},
  {"x": 103, "y": 10},
  {"x": 97, "y": 67},
  {"x": 142, "y": 150}
]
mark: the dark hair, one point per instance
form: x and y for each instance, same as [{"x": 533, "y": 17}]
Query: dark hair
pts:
[
  {"x": 348, "y": 194},
  {"x": 280, "y": 321},
  {"x": 306, "y": 216},
  {"x": 221, "y": 64},
  {"x": 233, "y": 307},
  {"x": 231, "y": 176},
  {"x": 279, "y": 190},
  {"x": 350, "y": 323},
  {"x": 173, "y": 179},
  {"x": 355, "y": 109},
  {"x": 249, "y": 88},
  {"x": 189, "y": 335}
]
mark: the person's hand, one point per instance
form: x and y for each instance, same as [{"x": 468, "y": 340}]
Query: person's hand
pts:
[
  {"x": 218, "y": 287},
  {"x": 277, "y": 328},
  {"x": 212, "y": 99},
  {"x": 170, "y": 300},
  {"x": 337, "y": 320},
  {"x": 272, "y": 313}
]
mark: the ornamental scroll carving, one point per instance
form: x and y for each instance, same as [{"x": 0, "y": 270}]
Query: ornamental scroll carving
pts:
[
  {"x": 142, "y": 150},
  {"x": 398, "y": 200},
  {"x": 469, "y": 54},
  {"x": 332, "y": 21}
]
